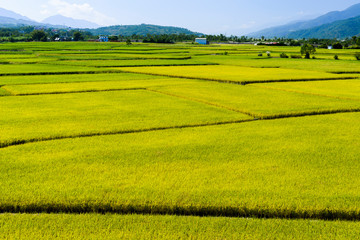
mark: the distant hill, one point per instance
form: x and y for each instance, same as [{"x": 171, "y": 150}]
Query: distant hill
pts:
[
  {"x": 143, "y": 29},
  {"x": 12, "y": 22},
  {"x": 11, "y": 14},
  {"x": 339, "y": 29},
  {"x": 286, "y": 30},
  {"x": 70, "y": 22}
]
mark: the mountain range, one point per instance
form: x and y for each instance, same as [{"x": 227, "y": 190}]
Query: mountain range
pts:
[
  {"x": 11, "y": 19},
  {"x": 336, "y": 24},
  {"x": 70, "y": 22}
]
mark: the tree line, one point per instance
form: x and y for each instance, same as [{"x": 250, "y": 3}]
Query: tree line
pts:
[{"x": 28, "y": 33}]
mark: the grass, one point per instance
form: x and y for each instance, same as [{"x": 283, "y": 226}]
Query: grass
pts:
[
  {"x": 290, "y": 168},
  {"x": 234, "y": 73},
  {"x": 33, "y": 118},
  {"x": 92, "y": 226}
]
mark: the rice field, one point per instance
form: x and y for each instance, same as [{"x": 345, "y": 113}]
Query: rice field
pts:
[
  {"x": 156, "y": 141},
  {"x": 91, "y": 226}
]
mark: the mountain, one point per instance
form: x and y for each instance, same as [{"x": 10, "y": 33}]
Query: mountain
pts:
[
  {"x": 143, "y": 29},
  {"x": 285, "y": 30},
  {"x": 14, "y": 15},
  {"x": 339, "y": 29},
  {"x": 12, "y": 22},
  {"x": 12, "y": 19},
  {"x": 70, "y": 22}
]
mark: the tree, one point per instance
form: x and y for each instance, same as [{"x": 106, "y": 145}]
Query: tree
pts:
[
  {"x": 354, "y": 39},
  {"x": 78, "y": 36},
  {"x": 39, "y": 35},
  {"x": 128, "y": 41},
  {"x": 337, "y": 46},
  {"x": 113, "y": 38},
  {"x": 54, "y": 37},
  {"x": 307, "y": 50}
]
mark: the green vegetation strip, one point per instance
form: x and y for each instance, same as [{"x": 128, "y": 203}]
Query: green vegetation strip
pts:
[
  {"x": 96, "y": 226},
  {"x": 289, "y": 168}
]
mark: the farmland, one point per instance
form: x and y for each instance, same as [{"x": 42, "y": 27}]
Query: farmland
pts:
[{"x": 105, "y": 140}]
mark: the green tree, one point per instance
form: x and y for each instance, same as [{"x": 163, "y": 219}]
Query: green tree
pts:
[
  {"x": 78, "y": 36},
  {"x": 337, "y": 46},
  {"x": 354, "y": 39},
  {"x": 55, "y": 36},
  {"x": 39, "y": 35},
  {"x": 128, "y": 41},
  {"x": 307, "y": 50}
]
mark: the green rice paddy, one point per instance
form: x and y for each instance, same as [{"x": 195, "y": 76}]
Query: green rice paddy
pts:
[{"x": 109, "y": 141}]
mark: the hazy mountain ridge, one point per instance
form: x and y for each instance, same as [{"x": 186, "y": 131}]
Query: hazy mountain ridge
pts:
[
  {"x": 59, "y": 21},
  {"x": 339, "y": 29},
  {"x": 288, "y": 29},
  {"x": 10, "y": 14},
  {"x": 70, "y": 22}
]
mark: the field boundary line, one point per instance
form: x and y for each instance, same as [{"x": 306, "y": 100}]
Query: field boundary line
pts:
[
  {"x": 162, "y": 65},
  {"x": 259, "y": 116},
  {"x": 204, "y": 102},
  {"x": 58, "y": 73},
  {"x": 118, "y": 59},
  {"x": 344, "y": 72},
  {"x": 184, "y": 77},
  {"x": 306, "y": 93},
  {"x": 297, "y": 80},
  {"x": 242, "y": 82},
  {"x": 205, "y": 211},
  {"x": 308, "y": 113},
  {"x": 17, "y": 142},
  {"x": 40, "y": 83},
  {"x": 139, "y": 65},
  {"x": 80, "y": 91}
]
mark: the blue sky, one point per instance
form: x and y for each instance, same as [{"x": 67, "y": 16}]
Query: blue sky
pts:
[{"x": 235, "y": 17}]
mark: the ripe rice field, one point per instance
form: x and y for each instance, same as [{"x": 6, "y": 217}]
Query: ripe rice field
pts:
[{"x": 156, "y": 141}]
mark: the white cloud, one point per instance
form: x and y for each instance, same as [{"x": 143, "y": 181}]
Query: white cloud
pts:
[{"x": 78, "y": 11}]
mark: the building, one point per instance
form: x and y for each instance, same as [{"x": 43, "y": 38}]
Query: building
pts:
[
  {"x": 103, "y": 39},
  {"x": 202, "y": 41}
]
